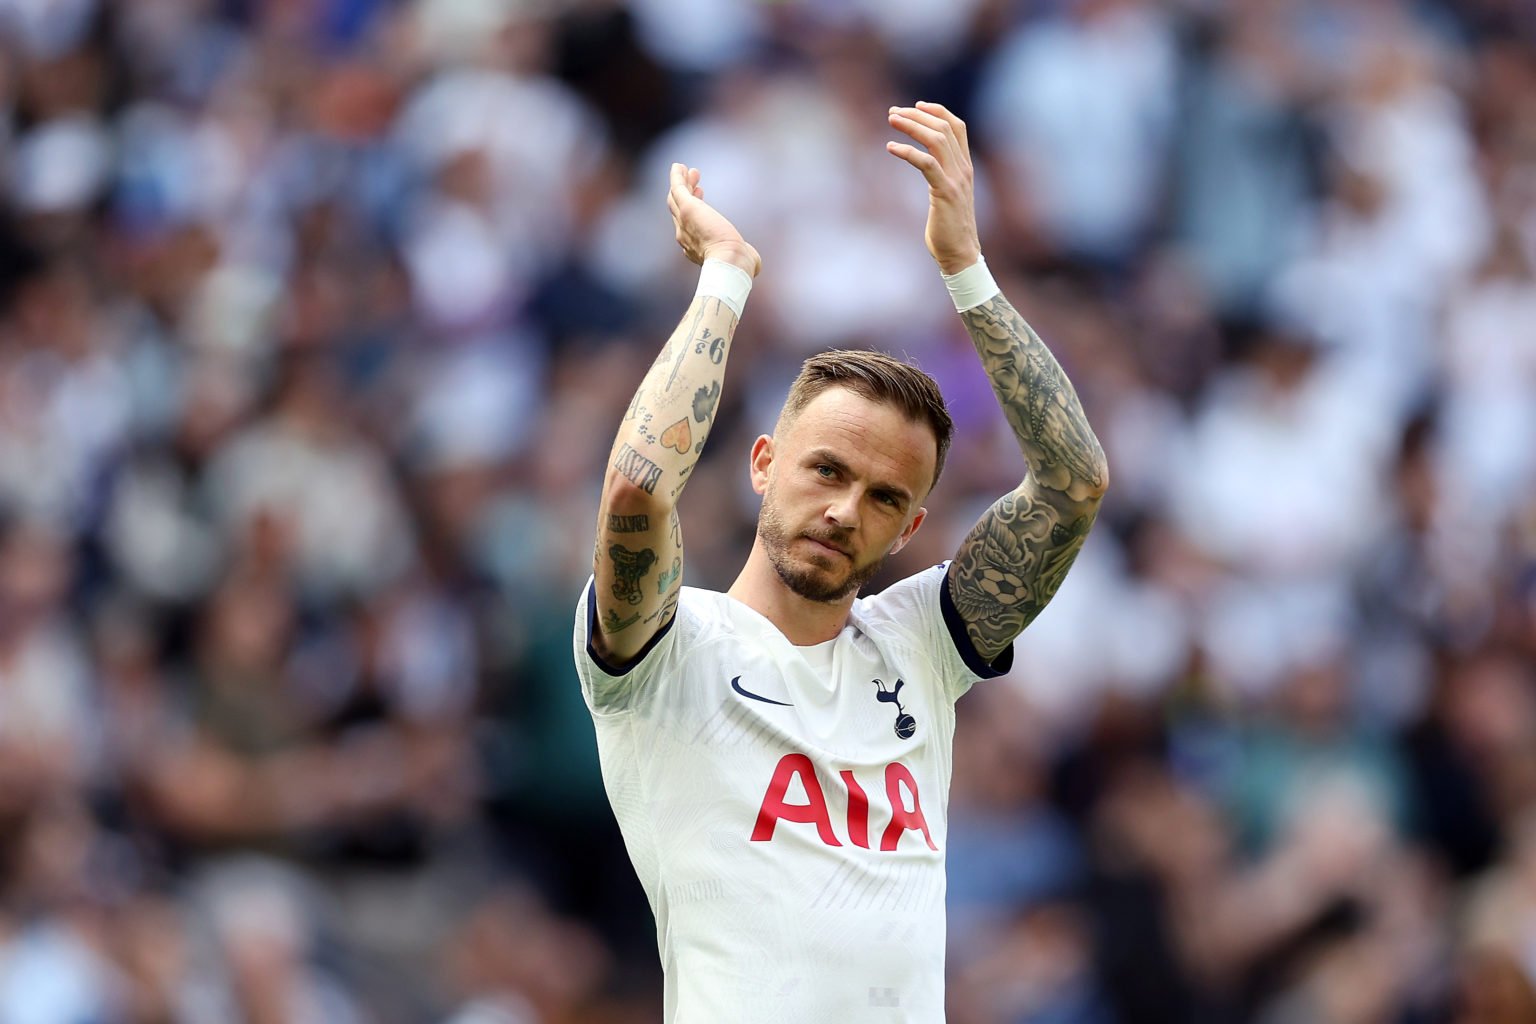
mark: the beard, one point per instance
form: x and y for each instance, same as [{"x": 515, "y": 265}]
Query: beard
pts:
[{"x": 807, "y": 581}]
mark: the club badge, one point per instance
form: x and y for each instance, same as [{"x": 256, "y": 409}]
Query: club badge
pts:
[{"x": 906, "y": 725}]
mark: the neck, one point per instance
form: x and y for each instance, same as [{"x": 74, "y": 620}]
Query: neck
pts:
[{"x": 802, "y": 621}]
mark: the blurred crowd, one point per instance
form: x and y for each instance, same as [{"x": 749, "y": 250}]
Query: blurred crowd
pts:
[{"x": 317, "y": 316}]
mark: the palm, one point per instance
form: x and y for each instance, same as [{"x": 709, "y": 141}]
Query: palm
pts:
[
  {"x": 700, "y": 226},
  {"x": 702, "y": 231}
]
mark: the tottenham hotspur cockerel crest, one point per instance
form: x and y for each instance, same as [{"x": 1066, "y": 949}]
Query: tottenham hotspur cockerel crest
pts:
[{"x": 906, "y": 725}]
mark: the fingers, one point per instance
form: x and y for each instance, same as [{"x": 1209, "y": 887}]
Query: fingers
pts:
[
  {"x": 682, "y": 182},
  {"x": 925, "y": 118},
  {"x": 907, "y": 120},
  {"x": 936, "y": 128},
  {"x": 940, "y": 110},
  {"x": 923, "y": 161}
]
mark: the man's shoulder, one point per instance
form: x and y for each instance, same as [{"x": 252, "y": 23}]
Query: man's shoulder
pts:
[
  {"x": 708, "y": 606},
  {"x": 907, "y": 608},
  {"x": 900, "y": 598}
]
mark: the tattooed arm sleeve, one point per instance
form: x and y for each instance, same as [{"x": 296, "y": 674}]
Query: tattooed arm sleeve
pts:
[
  {"x": 638, "y": 561},
  {"x": 1012, "y": 562}
]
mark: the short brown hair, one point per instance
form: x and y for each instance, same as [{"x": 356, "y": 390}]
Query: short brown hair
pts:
[{"x": 879, "y": 378}]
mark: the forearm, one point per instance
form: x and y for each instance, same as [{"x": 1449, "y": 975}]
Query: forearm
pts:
[
  {"x": 668, "y": 420},
  {"x": 1039, "y": 401}
]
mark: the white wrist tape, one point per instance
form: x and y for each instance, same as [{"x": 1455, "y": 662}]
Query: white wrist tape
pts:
[
  {"x": 972, "y": 286},
  {"x": 726, "y": 282}
]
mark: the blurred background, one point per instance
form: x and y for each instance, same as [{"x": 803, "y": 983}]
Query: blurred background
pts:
[{"x": 317, "y": 317}]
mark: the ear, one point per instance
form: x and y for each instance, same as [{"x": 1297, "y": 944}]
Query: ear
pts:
[
  {"x": 906, "y": 534},
  {"x": 762, "y": 462}
]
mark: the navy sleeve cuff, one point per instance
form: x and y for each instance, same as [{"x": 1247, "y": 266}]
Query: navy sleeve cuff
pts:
[
  {"x": 962, "y": 640},
  {"x": 625, "y": 667}
]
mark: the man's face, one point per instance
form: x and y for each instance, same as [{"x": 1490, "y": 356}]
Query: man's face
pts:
[{"x": 842, "y": 486}]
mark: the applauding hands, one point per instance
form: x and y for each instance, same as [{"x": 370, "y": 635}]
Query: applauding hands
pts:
[{"x": 945, "y": 160}]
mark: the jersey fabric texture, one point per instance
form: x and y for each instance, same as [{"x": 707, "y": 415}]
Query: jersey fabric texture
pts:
[{"x": 786, "y": 807}]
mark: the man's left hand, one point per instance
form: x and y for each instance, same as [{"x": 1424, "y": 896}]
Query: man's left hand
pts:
[{"x": 945, "y": 160}]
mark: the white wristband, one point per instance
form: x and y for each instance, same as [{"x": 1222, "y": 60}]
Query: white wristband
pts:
[
  {"x": 726, "y": 282},
  {"x": 972, "y": 286}
]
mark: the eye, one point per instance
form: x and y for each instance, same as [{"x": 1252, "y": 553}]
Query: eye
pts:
[
  {"x": 888, "y": 500},
  {"x": 825, "y": 471}
]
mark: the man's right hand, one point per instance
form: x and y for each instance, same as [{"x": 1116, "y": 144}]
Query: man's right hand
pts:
[{"x": 702, "y": 231}]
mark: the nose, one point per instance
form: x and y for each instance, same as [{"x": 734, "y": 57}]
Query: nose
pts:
[{"x": 844, "y": 510}]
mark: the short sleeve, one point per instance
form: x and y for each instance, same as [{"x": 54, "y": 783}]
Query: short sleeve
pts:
[
  {"x": 610, "y": 688},
  {"x": 920, "y": 607}
]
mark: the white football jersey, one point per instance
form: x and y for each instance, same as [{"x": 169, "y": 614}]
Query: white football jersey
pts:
[{"x": 786, "y": 807}]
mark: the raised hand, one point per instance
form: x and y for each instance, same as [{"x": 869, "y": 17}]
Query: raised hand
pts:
[
  {"x": 945, "y": 160},
  {"x": 703, "y": 231}
]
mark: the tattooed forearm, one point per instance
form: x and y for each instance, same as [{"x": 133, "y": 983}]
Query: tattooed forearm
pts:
[
  {"x": 1039, "y": 401},
  {"x": 664, "y": 428},
  {"x": 1014, "y": 560}
]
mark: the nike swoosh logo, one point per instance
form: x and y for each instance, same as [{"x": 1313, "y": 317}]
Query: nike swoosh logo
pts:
[{"x": 736, "y": 685}]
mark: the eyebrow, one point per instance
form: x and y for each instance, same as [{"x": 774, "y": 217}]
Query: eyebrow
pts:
[{"x": 823, "y": 455}]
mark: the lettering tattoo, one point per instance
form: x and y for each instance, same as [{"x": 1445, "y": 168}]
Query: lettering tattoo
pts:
[
  {"x": 704, "y": 401},
  {"x": 637, "y": 469},
  {"x": 669, "y": 577},
  {"x": 1014, "y": 559},
  {"x": 628, "y": 524},
  {"x": 716, "y": 346},
  {"x": 629, "y": 568},
  {"x": 682, "y": 476}
]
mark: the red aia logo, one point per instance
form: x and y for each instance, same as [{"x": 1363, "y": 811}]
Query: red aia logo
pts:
[{"x": 814, "y": 811}]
